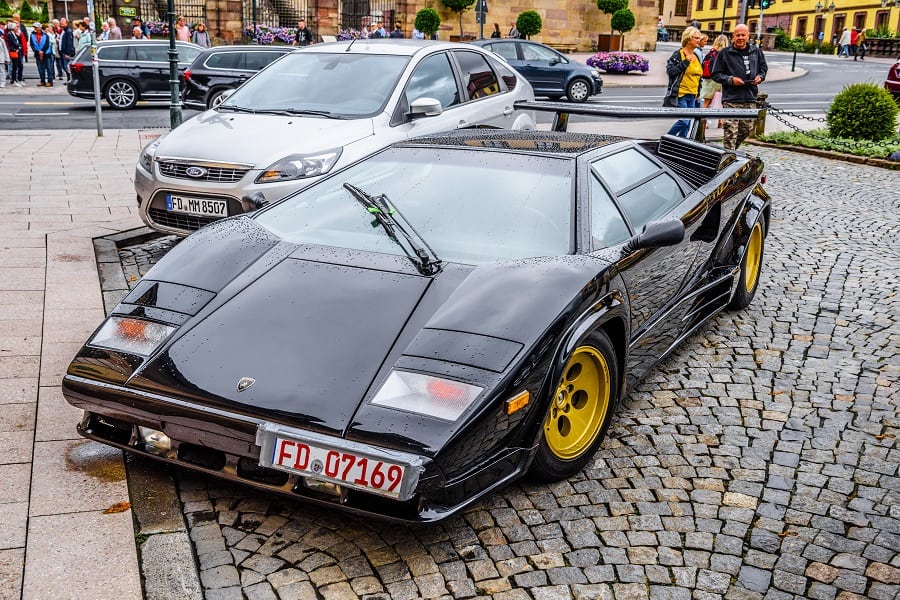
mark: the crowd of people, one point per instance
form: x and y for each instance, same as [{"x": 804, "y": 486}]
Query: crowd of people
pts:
[
  {"x": 734, "y": 71},
  {"x": 852, "y": 43}
]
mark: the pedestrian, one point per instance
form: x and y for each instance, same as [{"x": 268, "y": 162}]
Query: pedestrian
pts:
[
  {"x": 513, "y": 30},
  {"x": 104, "y": 32},
  {"x": 182, "y": 31},
  {"x": 374, "y": 32},
  {"x": 708, "y": 85},
  {"x": 84, "y": 40},
  {"x": 854, "y": 34},
  {"x": 496, "y": 33},
  {"x": 397, "y": 32},
  {"x": 684, "y": 71},
  {"x": 304, "y": 36},
  {"x": 740, "y": 68},
  {"x": 380, "y": 27},
  {"x": 844, "y": 43},
  {"x": 145, "y": 30},
  {"x": 861, "y": 44},
  {"x": 22, "y": 32},
  {"x": 66, "y": 47},
  {"x": 136, "y": 33},
  {"x": 115, "y": 32},
  {"x": 4, "y": 56},
  {"x": 14, "y": 47},
  {"x": 418, "y": 35},
  {"x": 201, "y": 35},
  {"x": 40, "y": 45},
  {"x": 54, "y": 52}
]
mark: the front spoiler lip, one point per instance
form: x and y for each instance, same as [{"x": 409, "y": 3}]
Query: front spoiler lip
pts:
[{"x": 241, "y": 430}]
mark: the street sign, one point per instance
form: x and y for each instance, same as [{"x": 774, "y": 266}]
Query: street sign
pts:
[
  {"x": 481, "y": 7},
  {"x": 481, "y": 18}
]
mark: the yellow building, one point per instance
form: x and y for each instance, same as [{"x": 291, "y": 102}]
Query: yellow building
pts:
[{"x": 801, "y": 18}]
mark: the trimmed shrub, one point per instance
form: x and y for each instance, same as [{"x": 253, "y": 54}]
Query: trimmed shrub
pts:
[
  {"x": 27, "y": 14},
  {"x": 45, "y": 13},
  {"x": 622, "y": 21},
  {"x": 459, "y": 7},
  {"x": 427, "y": 21},
  {"x": 529, "y": 23},
  {"x": 863, "y": 111}
]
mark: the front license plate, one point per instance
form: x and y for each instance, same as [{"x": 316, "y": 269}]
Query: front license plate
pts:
[
  {"x": 339, "y": 466},
  {"x": 196, "y": 206}
]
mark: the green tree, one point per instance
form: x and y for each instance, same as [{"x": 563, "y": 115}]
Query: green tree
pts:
[
  {"x": 27, "y": 13},
  {"x": 5, "y": 9},
  {"x": 529, "y": 23},
  {"x": 45, "y": 12},
  {"x": 611, "y": 7},
  {"x": 862, "y": 111},
  {"x": 427, "y": 21},
  {"x": 623, "y": 22},
  {"x": 458, "y": 6}
]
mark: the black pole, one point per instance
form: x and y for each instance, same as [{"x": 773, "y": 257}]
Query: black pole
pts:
[
  {"x": 722, "y": 25},
  {"x": 175, "y": 97},
  {"x": 253, "y": 40}
]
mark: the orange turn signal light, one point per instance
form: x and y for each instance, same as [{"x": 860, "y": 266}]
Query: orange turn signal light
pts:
[
  {"x": 517, "y": 402},
  {"x": 132, "y": 328}
]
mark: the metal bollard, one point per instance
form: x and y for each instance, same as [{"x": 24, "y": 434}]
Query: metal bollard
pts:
[
  {"x": 794, "y": 61},
  {"x": 760, "y": 127}
]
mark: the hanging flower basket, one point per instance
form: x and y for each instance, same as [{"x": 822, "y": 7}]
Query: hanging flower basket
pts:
[{"x": 619, "y": 62}]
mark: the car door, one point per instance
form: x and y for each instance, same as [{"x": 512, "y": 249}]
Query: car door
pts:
[
  {"x": 644, "y": 191},
  {"x": 486, "y": 101},
  {"x": 433, "y": 77},
  {"x": 544, "y": 68},
  {"x": 151, "y": 69}
]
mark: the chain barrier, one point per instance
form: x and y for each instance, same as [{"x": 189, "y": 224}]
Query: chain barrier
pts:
[{"x": 779, "y": 115}]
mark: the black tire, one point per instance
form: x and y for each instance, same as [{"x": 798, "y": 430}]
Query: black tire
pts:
[
  {"x": 588, "y": 389},
  {"x": 751, "y": 266},
  {"x": 121, "y": 94},
  {"x": 215, "y": 98},
  {"x": 579, "y": 90}
]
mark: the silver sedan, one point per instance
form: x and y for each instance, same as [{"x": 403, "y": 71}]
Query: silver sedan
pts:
[{"x": 316, "y": 110}]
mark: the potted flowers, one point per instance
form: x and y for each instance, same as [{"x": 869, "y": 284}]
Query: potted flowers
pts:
[{"x": 619, "y": 62}]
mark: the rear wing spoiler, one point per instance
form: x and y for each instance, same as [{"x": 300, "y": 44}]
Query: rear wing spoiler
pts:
[{"x": 562, "y": 110}]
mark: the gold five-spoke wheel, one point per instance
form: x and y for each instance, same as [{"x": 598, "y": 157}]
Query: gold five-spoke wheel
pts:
[{"x": 754, "y": 258}]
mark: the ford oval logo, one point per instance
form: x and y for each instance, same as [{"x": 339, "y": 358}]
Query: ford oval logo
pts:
[{"x": 195, "y": 171}]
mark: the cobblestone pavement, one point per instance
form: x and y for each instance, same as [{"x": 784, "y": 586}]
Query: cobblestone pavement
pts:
[{"x": 759, "y": 461}]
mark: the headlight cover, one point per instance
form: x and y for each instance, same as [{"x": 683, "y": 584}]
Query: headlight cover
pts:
[
  {"x": 300, "y": 166},
  {"x": 134, "y": 336},
  {"x": 595, "y": 73},
  {"x": 426, "y": 395},
  {"x": 148, "y": 153}
]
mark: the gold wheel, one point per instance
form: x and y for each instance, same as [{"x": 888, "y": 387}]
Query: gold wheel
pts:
[
  {"x": 579, "y": 405},
  {"x": 754, "y": 258}
]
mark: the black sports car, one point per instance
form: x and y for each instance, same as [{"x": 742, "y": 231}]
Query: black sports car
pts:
[{"x": 430, "y": 323}]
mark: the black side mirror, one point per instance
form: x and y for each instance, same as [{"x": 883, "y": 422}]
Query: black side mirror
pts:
[{"x": 656, "y": 234}]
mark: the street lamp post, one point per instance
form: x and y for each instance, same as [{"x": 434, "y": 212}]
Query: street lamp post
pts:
[
  {"x": 722, "y": 25},
  {"x": 175, "y": 97}
]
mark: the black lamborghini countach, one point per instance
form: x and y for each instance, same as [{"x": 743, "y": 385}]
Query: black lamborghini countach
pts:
[{"x": 429, "y": 324}]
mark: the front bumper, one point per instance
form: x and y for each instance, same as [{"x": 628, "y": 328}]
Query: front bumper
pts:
[{"x": 223, "y": 444}]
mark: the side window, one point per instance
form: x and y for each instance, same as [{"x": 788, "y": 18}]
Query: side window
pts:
[
  {"x": 608, "y": 228},
  {"x": 155, "y": 53},
  {"x": 112, "y": 53},
  {"x": 535, "y": 52},
  {"x": 477, "y": 75},
  {"x": 433, "y": 78},
  {"x": 258, "y": 60},
  {"x": 223, "y": 60},
  {"x": 651, "y": 200},
  {"x": 624, "y": 169},
  {"x": 506, "y": 50},
  {"x": 186, "y": 54},
  {"x": 505, "y": 73}
]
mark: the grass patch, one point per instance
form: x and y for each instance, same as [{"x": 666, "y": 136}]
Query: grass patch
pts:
[{"x": 818, "y": 138}]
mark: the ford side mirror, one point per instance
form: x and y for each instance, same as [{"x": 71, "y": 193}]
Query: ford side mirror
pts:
[{"x": 425, "y": 107}]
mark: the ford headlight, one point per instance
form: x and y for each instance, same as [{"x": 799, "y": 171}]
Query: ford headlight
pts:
[
  {"x": 299, "y": 166},
  {"x": 134, "y": 336},
  {"x": 148, "y": 153},
  {"x": 426, "y": 395}
]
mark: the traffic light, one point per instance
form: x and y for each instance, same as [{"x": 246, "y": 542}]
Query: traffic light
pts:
[
  {"x": 764, "y": 4},
  {"x": 751, "y": 4}
]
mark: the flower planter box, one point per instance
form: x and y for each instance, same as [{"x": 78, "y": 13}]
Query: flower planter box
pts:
[{"x": 608, "y": 42}]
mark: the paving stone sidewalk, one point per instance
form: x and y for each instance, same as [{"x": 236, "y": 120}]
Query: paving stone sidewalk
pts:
[{"x": 759, "y": 461}]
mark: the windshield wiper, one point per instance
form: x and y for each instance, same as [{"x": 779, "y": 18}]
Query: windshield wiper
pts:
[
  {"x": 384, "y": 212},
  {"x": 301, "y": 111},
  {"x": 242, "y": 109}
]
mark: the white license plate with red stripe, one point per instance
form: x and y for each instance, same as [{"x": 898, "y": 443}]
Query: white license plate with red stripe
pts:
[{"x": 353, "y": 466}]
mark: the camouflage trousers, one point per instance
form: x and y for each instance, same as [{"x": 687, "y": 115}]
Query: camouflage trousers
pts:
[{"x": 735, "y": 132}]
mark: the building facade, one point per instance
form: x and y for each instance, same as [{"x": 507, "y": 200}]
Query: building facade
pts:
[{"x": 570, "y": 23}]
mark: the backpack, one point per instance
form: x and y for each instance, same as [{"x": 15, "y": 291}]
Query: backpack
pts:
[{"x": 708, "y": 62}]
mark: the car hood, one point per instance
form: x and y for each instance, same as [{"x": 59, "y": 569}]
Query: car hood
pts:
[
  {"x": 318, "y": 328},
  {"x": 258, "y": 140}
]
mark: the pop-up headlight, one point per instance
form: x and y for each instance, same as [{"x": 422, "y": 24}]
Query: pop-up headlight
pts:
[
  {"x": 426, "y": 395},
  {"x": 134, "y": 336}
]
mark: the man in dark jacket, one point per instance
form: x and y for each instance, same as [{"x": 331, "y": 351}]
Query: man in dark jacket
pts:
[
  {"x": 740, "y": 68},
  {"x": 66, "y": 46}
]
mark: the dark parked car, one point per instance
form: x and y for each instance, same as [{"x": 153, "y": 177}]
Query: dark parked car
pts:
[
  {"x": 130, "y": 70},
  {"x": 223, "y": 68},
  {"x": 550, "y": 73},
  {"x": 388, "y": 342},
  {"x": 892, "y": 83}
]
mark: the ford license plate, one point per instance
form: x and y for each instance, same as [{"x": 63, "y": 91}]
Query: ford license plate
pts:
[{"x": 203, "y": 207}]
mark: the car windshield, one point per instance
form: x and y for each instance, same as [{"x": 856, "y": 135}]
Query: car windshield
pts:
[
  {"x": 336, "y": 84},
  {"x": 469, "y": 207}
]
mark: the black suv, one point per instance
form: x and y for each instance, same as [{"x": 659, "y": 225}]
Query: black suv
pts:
[
  {"x": 130, "y": 70},
  {"x": 223, "y": 68}
]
